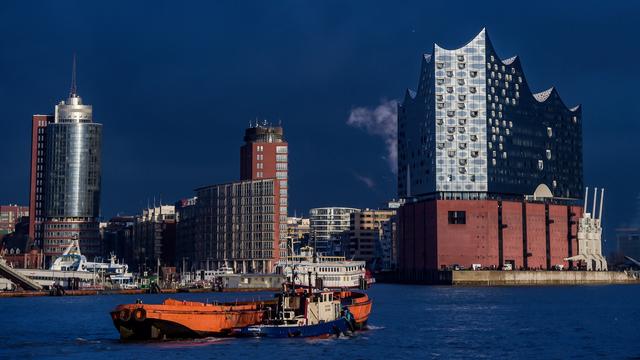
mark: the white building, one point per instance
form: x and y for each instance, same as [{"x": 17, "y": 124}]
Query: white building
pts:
[{"x": 328, "y": 225}]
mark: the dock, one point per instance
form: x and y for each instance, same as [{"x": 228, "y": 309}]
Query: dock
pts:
[{"x": 515, "y": 278}]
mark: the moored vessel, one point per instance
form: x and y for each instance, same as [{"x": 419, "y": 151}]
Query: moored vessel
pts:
[{"x": 335, "y": 272}]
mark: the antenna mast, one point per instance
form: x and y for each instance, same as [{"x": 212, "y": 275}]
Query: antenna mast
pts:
[{"x": 74, "y": 88}]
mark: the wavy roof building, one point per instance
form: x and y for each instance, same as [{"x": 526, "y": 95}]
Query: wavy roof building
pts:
[{"x": 474, "y": 127}]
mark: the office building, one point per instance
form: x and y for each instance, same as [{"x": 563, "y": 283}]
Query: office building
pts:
[
  {"x": 186, "y": 215},
  {"x": 37, "y": 177},
  {"x": 72, "y": 178},
  {"x": 117, "y": 238},
  {"x": 154, "y": 238},
  {"x": 10, "y": 216},
  {"x": 491, "y": 172},
  {"x": 329, "y": 227},
  {"x": 371, "y": 235},
  {"x": 237, "y": 226},
  {"x": 265, "y": 155},
  {"x": 298, "y": 229}
]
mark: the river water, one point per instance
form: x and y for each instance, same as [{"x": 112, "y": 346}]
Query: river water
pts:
[{"x": 408, "y": 322}]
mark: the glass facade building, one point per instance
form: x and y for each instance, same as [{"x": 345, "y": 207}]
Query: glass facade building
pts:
[
  {"x": 473, "y": 126},
  {"x": 72, "y": 181}
]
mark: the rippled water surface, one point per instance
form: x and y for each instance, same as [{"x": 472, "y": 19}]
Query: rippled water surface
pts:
[{"x": 407, "y": 322}]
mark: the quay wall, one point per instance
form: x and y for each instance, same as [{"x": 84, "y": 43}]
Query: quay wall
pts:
[
  {"x": 492, "y": 278},
  {"x": 510, "y": 278}
]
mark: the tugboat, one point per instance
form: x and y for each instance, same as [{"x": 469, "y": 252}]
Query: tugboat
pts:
[
  {"x": 300, "y": 313},
  {"x": 295, "y": 312}
]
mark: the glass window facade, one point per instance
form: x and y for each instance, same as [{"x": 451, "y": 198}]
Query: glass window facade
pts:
[{"x": 491, "y": 139}]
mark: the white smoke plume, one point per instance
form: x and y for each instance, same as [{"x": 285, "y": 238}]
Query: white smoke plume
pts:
[
  {"x": 367, "y": 181},
  {"x": 383, "y": 122}
]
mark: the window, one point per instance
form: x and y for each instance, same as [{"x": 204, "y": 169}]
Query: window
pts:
[
  {"x": 440, "y": 81},
  {"x": 549, "y": 132},
  {"x": 472, "y": 89},
  {"x": 473, "y": 73},
  {"x": 281, "y": 149},
  {"x": 449, "y": 73},
  {"x": 457, "y": 217},
  {"x": 548, "y": 152},
  {"x": 540, "y": 165},
  {"x": 281, "y": 166}
]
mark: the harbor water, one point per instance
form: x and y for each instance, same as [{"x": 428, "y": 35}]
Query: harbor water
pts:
[{"x": 407, "y": 322}]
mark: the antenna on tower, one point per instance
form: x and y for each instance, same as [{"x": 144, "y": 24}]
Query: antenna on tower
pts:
[{"x": 74, "y": 88}]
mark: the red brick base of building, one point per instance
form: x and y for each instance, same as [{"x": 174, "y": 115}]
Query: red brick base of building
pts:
[{"x": 440, "y": 234}]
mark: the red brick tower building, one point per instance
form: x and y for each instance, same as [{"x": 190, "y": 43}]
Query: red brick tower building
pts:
[
  {"x": 37, "y": 179},
  {"x": 265, "y": 155}
]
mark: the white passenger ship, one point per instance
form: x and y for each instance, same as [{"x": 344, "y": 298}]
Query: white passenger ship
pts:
[
  {"x": 334, "y": 271},
  {"x": 72, "y": 270}
]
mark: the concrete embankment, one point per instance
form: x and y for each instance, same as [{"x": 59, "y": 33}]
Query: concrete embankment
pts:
[
  {"x": 511, "y": 278},
  {"x": 492, "y": 278}
]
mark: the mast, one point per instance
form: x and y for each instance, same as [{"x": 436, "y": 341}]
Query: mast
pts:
[
  {"x": 586, "y": 198},
  {"x": 595, "y": 200},
  {"x": 601, "y": 204}
]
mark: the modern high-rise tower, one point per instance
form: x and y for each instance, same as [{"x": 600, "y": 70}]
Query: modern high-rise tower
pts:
[
  {"x": 265, "y": 155},
  {"x": 473, "y": 127},
  {"x": 72, "y": 178},
  {"x": 37, "y": 179},
  {"x": 491, "y": 172}
]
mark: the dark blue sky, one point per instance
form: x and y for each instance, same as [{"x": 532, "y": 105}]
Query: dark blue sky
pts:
[{"x": 175, "y": 84}]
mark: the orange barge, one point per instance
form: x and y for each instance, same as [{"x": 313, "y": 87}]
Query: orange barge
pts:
[
  {"x": 183, "y": 319},
  {"x": 175, "y": 319}
]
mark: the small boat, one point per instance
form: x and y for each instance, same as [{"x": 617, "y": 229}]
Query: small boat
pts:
[{"x": 302, "y": 314}]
